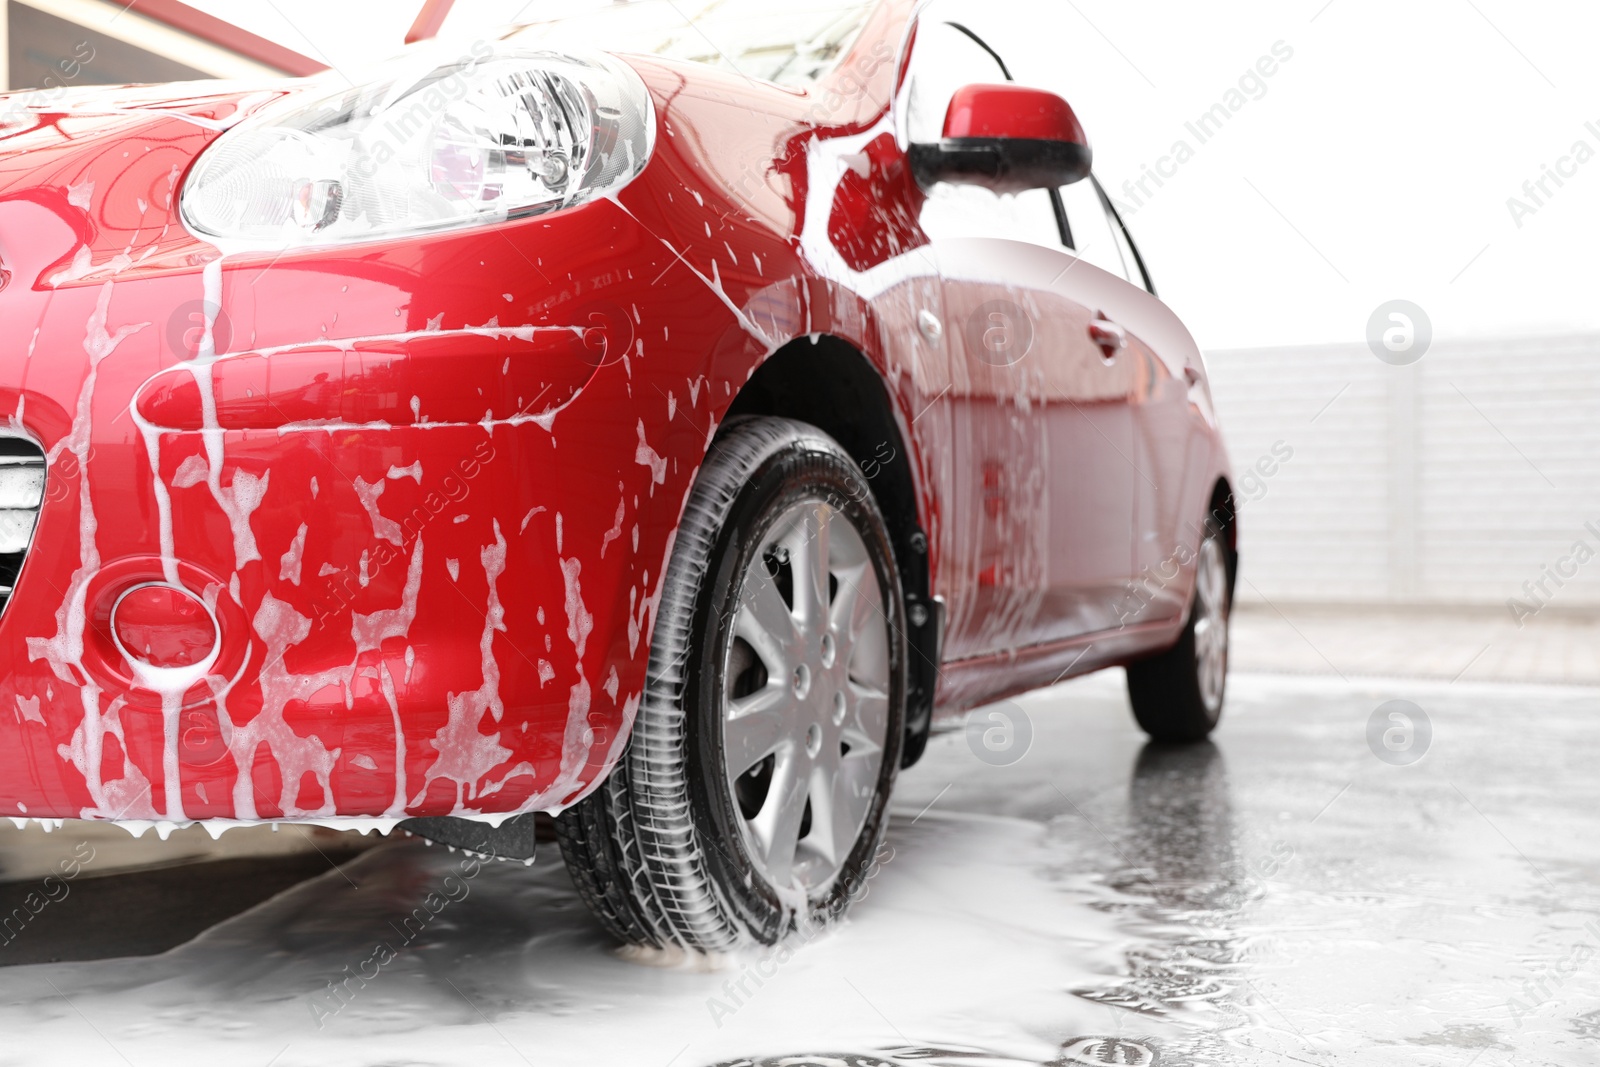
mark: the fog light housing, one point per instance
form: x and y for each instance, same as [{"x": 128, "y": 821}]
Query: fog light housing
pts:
[{"x": 163, "y": 627}]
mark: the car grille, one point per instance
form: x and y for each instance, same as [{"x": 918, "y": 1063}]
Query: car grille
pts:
[{"x": 21, "y": 495}]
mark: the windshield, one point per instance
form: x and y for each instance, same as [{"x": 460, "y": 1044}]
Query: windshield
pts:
[{"x": 792, "y": 42}]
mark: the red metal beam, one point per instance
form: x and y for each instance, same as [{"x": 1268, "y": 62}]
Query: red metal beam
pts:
[
  {"x": 224, "y": 34},
  {"x": 429, "y": 20}
]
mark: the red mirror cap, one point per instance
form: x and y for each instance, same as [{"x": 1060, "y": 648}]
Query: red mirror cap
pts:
[{"x": 1012, "y": 112}]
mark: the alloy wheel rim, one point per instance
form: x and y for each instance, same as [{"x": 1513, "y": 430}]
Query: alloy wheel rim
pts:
[
  {"x": 805, "y": 708},
  {"x": 1211, "y": 623}
]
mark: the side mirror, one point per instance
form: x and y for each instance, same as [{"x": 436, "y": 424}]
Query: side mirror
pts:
[{"x": 1006, "y": 138}]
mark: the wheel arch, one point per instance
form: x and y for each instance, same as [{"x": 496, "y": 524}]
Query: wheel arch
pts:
[
  {"x": 1223, "y": 513},
  {"x": 831, "y": 384}
]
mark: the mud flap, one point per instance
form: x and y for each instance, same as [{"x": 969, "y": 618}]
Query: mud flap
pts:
[
  {"x": 924, "y": 631},
  {"x": 515, "y": 839}
]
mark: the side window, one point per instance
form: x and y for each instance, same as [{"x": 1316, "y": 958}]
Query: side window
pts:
[
  {"x": 943, "y": 60},
  {"x": 1096, "y": 237},
  {"x": 946, "y": 59},
  {"x": 1130, "y": 258},
  {"x": 968, "y": 211}
]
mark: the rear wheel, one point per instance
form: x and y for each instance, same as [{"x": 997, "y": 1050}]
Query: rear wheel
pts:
[
  {"x": 1177, "y": 695},
  {"x": 754, "y": 791}
]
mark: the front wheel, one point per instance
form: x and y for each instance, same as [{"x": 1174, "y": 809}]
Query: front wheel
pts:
[
  {"x": 754, "y": 792},
  {"x": 1177, "y": 695}
]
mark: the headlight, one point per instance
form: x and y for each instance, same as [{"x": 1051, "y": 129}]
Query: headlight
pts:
[{"x": 498, "y": 134}]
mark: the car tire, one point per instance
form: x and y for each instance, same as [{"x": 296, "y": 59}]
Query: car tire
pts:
[
  {"x": 1177, "y": 695},
  {"x": 688, "y": 842}
]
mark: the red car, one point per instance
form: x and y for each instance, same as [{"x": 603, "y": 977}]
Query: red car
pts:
[{"x": 665, "y": 437}]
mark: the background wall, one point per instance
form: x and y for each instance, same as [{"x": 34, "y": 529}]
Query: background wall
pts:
[
  {"x": 58, "y": 45},
  {"x": 41, "y": 42},
  {"x": 1451, "y": 481}
]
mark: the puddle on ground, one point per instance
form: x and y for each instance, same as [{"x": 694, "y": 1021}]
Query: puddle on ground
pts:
[{"x": 1285, "y": 902}]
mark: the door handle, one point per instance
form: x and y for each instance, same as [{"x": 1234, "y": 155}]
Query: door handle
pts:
[{"x": 1110, "y": 337}]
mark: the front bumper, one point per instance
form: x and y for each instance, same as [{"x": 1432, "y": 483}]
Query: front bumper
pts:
[{"x": 425, "y": 608}]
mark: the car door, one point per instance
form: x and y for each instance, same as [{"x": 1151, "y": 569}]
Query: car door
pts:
[
  {"x": 1040, "y": 539},
  {"x": 1113, "y": 283}
]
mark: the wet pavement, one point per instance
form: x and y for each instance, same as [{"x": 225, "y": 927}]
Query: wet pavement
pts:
[
  {"x": 1338, "y": 879},
  {"x": 1445, "y": 642}
]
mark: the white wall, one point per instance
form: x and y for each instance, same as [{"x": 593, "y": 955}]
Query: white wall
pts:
[
  {"x": 5, "y": 45},
  {"x": 1452, "y": 481}
]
